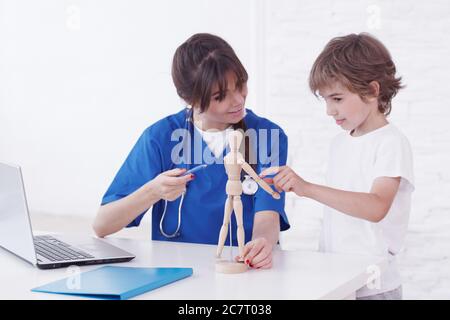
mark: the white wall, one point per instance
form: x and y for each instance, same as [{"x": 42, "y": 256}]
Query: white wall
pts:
[{"x": 80, "y": 81}]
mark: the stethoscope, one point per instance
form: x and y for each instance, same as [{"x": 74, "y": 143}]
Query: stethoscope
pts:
[{"x": 249, "y": 186}]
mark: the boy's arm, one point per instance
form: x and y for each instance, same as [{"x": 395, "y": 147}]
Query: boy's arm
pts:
[{"x": 372, "y": 206}]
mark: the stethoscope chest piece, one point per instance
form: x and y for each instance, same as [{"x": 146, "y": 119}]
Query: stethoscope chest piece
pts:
[{"x": 249, "y": 186}]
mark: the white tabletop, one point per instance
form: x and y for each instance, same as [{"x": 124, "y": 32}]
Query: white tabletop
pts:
[{"x": 295, "y": 274}]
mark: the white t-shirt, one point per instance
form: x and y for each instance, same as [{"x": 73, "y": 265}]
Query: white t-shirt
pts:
[
  {"x": 354, "y": 164},
  {"x": 215, "y": 140}
]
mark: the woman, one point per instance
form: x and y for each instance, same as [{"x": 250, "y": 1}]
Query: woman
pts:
[{"x": 209, "y": 77}]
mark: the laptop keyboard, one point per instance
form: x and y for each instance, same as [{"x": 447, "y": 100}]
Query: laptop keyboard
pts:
[{"x": 55, "y": 250}]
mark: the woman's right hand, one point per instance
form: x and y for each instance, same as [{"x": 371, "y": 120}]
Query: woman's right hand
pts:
[{"x": 169, "y": 185}]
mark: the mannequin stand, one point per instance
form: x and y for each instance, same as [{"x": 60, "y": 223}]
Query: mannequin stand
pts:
[{"x": 229, "y": 267}]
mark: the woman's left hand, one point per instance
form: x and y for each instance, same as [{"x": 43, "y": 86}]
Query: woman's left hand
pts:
[{"x": 258, "y": 254}]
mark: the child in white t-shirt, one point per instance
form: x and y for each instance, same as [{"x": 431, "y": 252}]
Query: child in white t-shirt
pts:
[{"x": 370, "y": 176}]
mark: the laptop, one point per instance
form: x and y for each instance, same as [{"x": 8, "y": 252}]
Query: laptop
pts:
[{"x": 44, "y": 251}]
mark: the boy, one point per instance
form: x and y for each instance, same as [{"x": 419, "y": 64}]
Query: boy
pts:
[{"x": 370, "y": 175}]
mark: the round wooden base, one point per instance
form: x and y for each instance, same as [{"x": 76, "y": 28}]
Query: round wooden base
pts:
[{"x": 230, "y": 267}]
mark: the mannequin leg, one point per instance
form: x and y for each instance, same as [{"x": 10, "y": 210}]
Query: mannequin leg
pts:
[
  {"x": 237, "y": 205},
  {"x": 224, "y": 229}
]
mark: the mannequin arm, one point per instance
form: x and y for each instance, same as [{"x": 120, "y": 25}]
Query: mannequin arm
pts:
[{"x": 248, "y": 169}]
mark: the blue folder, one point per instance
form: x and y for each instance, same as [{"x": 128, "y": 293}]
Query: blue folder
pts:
[{"x": 115, "y": 283}]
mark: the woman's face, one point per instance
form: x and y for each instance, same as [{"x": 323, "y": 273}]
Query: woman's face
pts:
[{"x": 221, "y": 114}]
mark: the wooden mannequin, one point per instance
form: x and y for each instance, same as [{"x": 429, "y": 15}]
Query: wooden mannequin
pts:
[{"x": 234, "y": 163}]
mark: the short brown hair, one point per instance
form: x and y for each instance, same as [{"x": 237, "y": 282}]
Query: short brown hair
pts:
[{"x": 355, "y": 61}]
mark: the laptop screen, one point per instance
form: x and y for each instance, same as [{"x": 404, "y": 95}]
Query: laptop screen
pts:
[{"x": 15, "y": 227}]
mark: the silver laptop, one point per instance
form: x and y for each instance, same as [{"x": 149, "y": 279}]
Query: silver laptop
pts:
[{"x": 45, "y": 252}]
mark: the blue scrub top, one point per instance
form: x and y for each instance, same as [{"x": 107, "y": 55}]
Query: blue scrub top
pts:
[{"x": 203, "y": 206}]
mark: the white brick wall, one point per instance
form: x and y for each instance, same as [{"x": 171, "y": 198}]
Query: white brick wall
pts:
[{"x": 417, "y": 35}]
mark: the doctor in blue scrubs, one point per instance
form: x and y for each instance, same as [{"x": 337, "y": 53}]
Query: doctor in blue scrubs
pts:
[{"x": 212, "y": 81}]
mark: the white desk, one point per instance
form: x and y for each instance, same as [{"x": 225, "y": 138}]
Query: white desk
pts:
[{"x": 295, "y": 274}]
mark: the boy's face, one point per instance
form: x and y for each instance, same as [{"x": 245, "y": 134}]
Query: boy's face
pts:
[{"x": 347, "y": 108}]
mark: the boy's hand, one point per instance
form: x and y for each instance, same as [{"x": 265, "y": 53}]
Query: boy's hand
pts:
[{"x": 285, "y": 179}]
